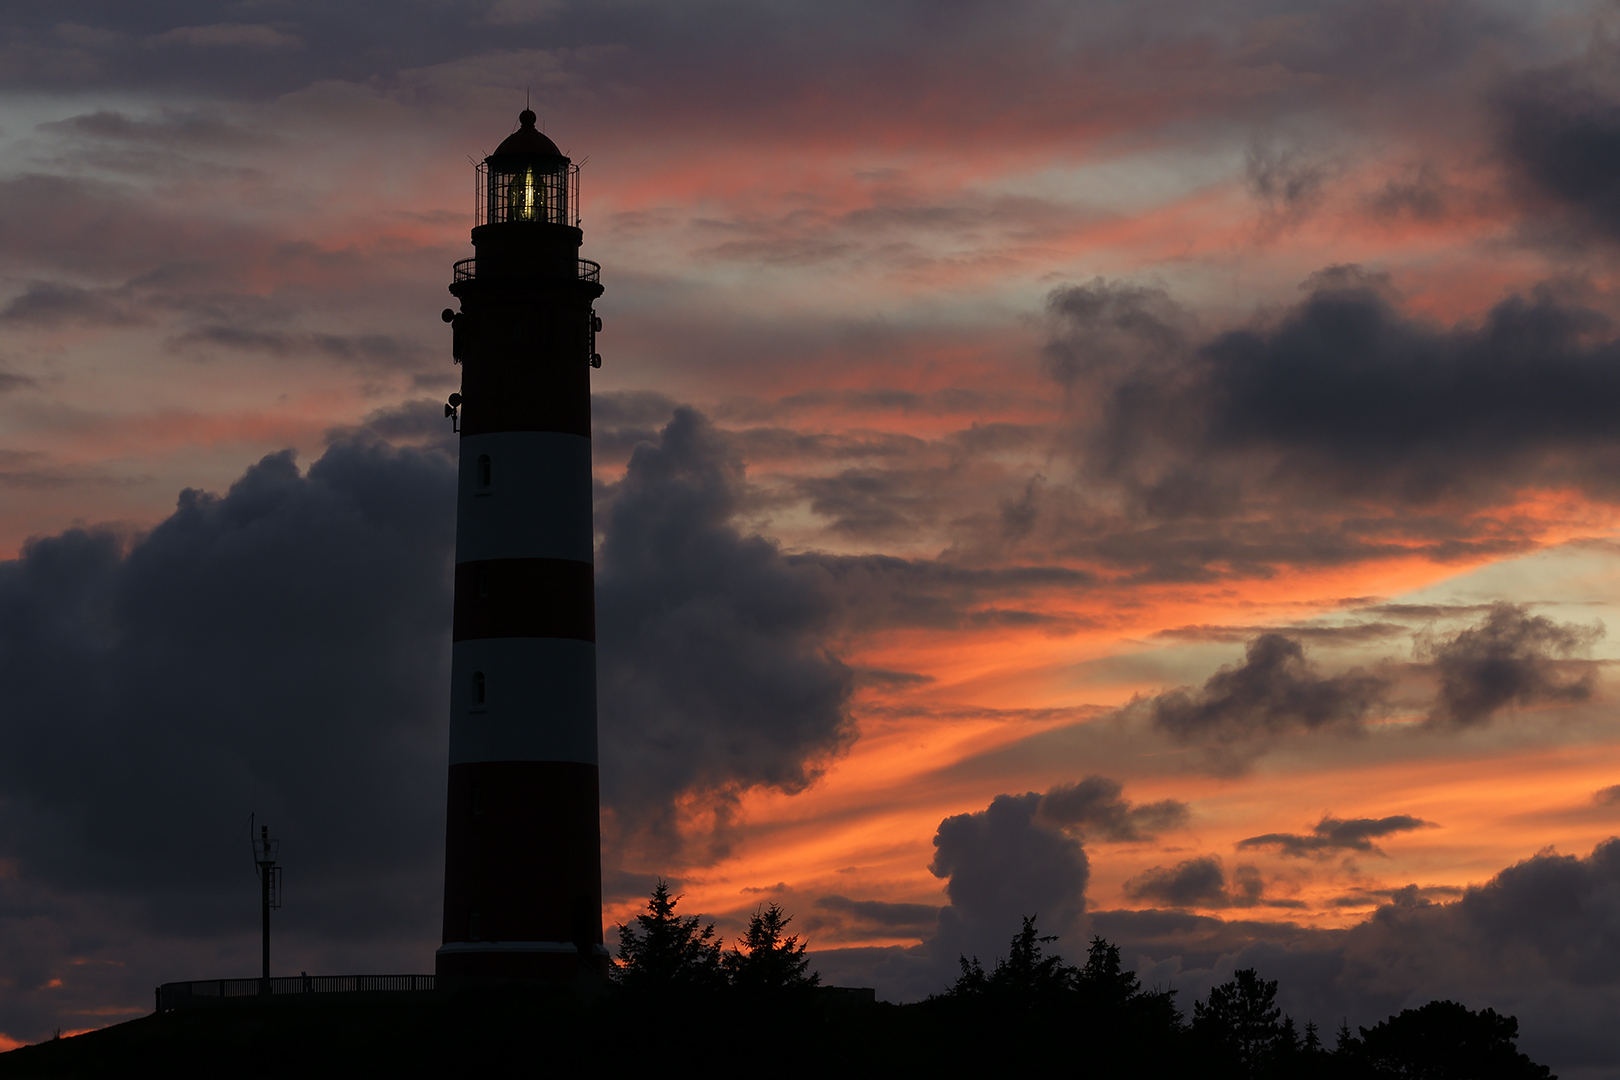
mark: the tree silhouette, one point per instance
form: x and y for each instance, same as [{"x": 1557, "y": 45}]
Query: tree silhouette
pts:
[
  {"x": 1024, "y": 975},
  {"x": 1445, "y": 1041},
  {"x": 1241, "y": 1022},
  {"x": 1103, "y": 980},
  {"x": 667, "y": 952},
  {"x": 767, "y": 960}
]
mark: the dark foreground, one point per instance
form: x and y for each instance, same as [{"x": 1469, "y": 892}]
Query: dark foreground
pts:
[
  {"x": 622, "y": 1034},
  {"x": 475, "y": 1034}
]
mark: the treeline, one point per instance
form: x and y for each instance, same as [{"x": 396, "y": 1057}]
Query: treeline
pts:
[{"x": 1030, "y": 1009}]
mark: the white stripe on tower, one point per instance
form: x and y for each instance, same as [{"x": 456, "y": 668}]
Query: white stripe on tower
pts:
[
  {"x": 539, "y": 700},
  {"x": 536, "y": 503}
]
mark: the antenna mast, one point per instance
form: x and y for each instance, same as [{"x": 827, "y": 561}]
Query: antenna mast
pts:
[{"x": 264, "y": 860}]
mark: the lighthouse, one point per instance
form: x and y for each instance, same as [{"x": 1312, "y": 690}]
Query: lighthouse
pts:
[{"x": 522, "y": 868}]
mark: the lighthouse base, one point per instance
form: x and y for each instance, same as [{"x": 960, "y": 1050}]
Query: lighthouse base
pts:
[{"x": 485, "y": 962}]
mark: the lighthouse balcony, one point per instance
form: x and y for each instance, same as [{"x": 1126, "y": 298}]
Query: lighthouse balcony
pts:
[{"x": 467, "y": 270}]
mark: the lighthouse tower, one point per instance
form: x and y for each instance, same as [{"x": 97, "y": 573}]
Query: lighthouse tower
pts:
[{"x": 522, "y": 868}]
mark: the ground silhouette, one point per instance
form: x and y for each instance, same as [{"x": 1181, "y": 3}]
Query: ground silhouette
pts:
[{"x": 676, "y": 995}]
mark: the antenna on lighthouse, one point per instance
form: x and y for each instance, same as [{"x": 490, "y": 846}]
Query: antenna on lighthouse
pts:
[{"x": 265, "y": 851}]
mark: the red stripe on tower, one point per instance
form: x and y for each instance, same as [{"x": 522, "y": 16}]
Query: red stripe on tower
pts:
[{"x": 523, "y": 865}]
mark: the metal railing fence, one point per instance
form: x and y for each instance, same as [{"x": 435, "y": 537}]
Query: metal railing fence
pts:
[
  {"x": 467, "y": 270},
  {"x": 201, "y": 992}
]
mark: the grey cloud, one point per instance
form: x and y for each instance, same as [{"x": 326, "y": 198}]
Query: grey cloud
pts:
[
  {"x": 871, "y": 504},
  {"x": 1404, "y": 896},
  {"x": 1095, "y": 805},
  {"x": 384, "y": 350},
  {"x": 1104, "y": 327},
  {"x": 714, "y": 668},
  {"x": 169, "y": 127},
  {"x": 1202, "y": 882},
  {"x": 50, "y": 303},
  {"x": 227, "y": 35},
  {"x": 1560, "y": 135},
  {"x": 1537, "y": 940},
  {"x": 882, "y": 916},
  {"x": 1348, "y": 634},
  {"x": 1274, "y": 690},
  {"x": 1192, "y": 882},
  {"x": 1288, "y": 180},
  {"x": 1001, "y": 864},
  {"x": 1608, "y": 796},
  {"x": 1509, "y": 658},
  {"x": 284, "y": 647},
  {"x": 1337, "y": 834},
  {"x": 943, "y": 402},
  {"x": 11, "y": 380},
  {"x": 415, "y": 423},
  {"x": 1344, "y": 396},
  {"x": 884, "y": 590},
  {"x": 1425, "y": 611},
  {"x": 622, "y": 420},
  {"x": 1420, "y": 195}
]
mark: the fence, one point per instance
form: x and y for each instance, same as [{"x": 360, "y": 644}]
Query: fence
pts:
[
  {"x": 467, "y": 270},
  {"x": 203, "y": 992}
]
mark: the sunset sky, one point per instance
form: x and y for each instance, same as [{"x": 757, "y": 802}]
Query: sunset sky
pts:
[{"x": 1153, "y": 466}]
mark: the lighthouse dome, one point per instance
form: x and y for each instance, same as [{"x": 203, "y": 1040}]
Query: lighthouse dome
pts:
[{"x": 526, "y": 141}]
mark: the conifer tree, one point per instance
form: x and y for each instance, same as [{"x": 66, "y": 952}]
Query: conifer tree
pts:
[
  {"x": 767, "y": 959},
  {"x": 667, "y": 952},
  {"x": 1242, "y": 1021},
  {"x": 1103, "y": 978}
]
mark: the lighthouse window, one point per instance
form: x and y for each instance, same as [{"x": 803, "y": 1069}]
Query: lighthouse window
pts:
[
  {"x": 472, "y": 927},
  {"x": 525, "y": 199},
  {"x": 478, "y": 688},
  {"x": 483, "y": 579},
  {"x": 483, "y": 471},
  {"x": 478, "y": 799}
]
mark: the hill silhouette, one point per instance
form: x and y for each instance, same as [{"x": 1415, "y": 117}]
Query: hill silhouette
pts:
[{"x": 677, "y": 997}]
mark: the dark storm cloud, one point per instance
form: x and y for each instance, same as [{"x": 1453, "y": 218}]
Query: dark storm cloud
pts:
[
  {"x": 714, "y": 672},
  {"x": 1202, "y": 882},
  {"x": 1339, "y": 395},
  {"x": 1349, "y": 634},
  {"x": 285, "y": 647},
  {"x": 884, "y": 590},
  {"x": 1405, "y": 896},
  {"x": 170, "y": 127},
  {"x": 1540, "y": 936},
  {"x": 1609, "y": 796},
  {"x": 170, "y": 659},
  {"x": 1067, "y": 70},
  {"x": 417, "y": 423},
  {"x": 1419, "y": 195},
  {"x": 1333, "y": 834},
  {"x": 1537, "y": 940},
  {"x": 1095, "y": 806},
  {"x": 1560, "y": 135},
  {"x": 621, "y": 420},
  {"x": 1001, "y": 864},
  {"x": 49, "y": 303},
  {"x": 878, "y": 915},
  {"x": 381, "y": 350},
  {"x": 1275, "y": 690},
  {"x": 97, "y": 229},
  {"x": 1289, "y": 181},
  {"x": 281, "y": 647},
  {"x": 1109, "y": 326},
  {"x": 1509, "y": 658}
]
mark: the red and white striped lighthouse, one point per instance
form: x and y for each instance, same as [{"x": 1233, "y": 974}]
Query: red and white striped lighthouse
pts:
[{"x": 523, "y": 869}]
